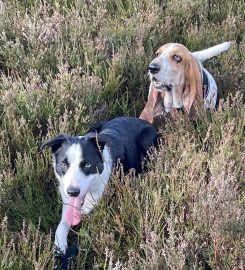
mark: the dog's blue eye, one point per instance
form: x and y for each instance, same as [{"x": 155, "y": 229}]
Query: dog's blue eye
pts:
[
  {"x": 177, "y": 58},
  {"x": 83, "y": 165}
]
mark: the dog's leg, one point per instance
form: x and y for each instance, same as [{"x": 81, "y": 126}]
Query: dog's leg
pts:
[
  {"x": 61, "y": 258},
  {"x": 61, "y": 236},
  {"x": 62, "y": 232}
]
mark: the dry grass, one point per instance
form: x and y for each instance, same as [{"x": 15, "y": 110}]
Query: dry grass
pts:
[{"x": 66, "y": 65}]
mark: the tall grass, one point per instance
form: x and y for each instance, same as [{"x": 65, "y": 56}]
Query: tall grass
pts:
[{"x": 68, "y": 64}]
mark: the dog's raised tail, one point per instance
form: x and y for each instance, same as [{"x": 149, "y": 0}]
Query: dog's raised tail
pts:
[{"x": 212, "y": 51}]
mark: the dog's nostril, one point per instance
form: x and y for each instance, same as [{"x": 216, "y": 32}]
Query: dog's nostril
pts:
[
  {"x": 154, "y": 68},
  {"x": 73, "y": 192}
]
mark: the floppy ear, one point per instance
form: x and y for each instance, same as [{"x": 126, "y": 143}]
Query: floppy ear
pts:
[
  {"x": 148, "y": 137},
  {"x": 56, "y": 142},
  {"x": 193, "y": 84},
  {"x": 109, "y": 139},
  {"x": 97, "y": 139},
  {"x": 153, "y": 106}
]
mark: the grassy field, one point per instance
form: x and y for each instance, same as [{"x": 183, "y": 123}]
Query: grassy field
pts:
[{"x": 68, "y": 64}]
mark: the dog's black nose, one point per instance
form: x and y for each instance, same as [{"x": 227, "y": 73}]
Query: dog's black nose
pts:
[
  {"x": 73, "y": 192},
  {"x": 154, "y": 68}
]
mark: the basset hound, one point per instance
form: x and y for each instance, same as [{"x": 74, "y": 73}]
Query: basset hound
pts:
[{"x": 178, "y": 80}]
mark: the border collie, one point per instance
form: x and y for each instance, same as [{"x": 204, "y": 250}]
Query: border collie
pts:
[{"x": 83, "y": 164}]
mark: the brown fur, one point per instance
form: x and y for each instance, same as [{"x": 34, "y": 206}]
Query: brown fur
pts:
[{"x": 188, "y": 87}]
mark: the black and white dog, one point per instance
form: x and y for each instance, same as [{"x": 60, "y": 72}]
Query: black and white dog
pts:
[{"x": 83, "y": 164}]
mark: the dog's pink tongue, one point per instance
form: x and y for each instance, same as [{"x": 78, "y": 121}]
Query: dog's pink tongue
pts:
[{"x": 73, "y": 211}]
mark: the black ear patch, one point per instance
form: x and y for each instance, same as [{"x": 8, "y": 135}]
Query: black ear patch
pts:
[
  {"x": 148, "y": 137},
  {"x": 96, "y": 140},
  {"x": 56, "y": 142}
]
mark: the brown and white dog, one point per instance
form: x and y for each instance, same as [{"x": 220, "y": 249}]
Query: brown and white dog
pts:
[{"x": 178, "y": 80}]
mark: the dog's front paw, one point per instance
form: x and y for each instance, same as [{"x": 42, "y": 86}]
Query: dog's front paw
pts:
[
  {"x": 62, "y": 261},
  {"x": 58, "y": 256}
]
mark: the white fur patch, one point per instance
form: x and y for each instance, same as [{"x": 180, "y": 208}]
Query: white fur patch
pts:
[
  {"x": 92, "y": 186},
  {"x": 99, "y": 183}
]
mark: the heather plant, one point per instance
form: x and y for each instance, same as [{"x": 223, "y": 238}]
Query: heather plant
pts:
[{"x": 66, "y": 65}]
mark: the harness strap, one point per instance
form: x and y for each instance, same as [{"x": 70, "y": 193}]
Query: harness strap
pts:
[{"x": 205, "y": 84}]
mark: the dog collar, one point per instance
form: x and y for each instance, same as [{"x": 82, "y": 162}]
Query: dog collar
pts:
[
  {"x": 205, "y": 84},
  {"x": 169, "y": 87}
]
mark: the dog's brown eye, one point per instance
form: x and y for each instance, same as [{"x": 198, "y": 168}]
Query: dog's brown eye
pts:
[
  {"x": 157, "y": 54},
  {"x": 64, "y": 165},
  {"x": 177, "y": 58}
]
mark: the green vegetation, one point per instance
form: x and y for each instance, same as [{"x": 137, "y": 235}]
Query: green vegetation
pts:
[{"x": 67, "y": 64}]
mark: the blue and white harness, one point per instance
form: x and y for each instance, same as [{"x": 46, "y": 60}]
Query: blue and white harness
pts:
[{"x": 210, "y": 90}]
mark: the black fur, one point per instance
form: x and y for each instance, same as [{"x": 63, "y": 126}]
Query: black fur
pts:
[
  {"x": 56, "y": 142},
  {"x": 128, "y": 138}
]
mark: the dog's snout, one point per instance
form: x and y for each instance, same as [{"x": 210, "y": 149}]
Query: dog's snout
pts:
[
  {"x": 73, "y": 192},
  {"x": 154, "y": 68}
]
